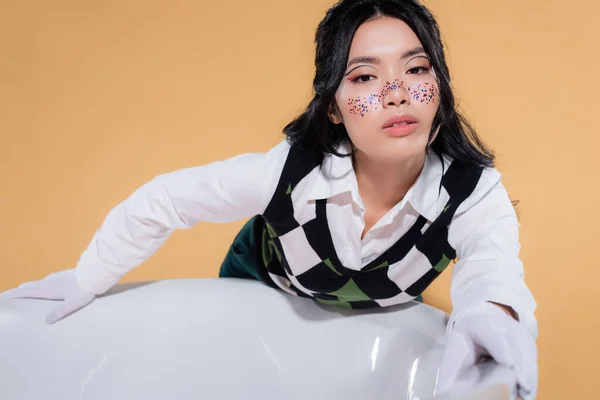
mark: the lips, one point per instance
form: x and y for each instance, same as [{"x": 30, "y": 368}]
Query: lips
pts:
[{"x": 400, "y": 120}]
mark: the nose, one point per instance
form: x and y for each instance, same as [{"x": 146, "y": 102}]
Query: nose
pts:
[{"x": 395, "y": 94}]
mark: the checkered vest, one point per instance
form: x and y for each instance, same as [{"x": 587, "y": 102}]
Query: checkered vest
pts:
[{"x": 329, "y": 281}]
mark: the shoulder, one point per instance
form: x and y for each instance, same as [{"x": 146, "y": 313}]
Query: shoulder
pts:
[
  {"x": 487, "y": 209},
  {"x": 488, "y": 206},
  {"x": 479, "y": 183},
  {"x": 249, "y": 179},
  {"x": 489, "y": 192},
  {"x": 264, "y": 164}
]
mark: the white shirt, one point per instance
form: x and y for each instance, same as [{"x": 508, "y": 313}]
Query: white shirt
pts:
[{"x": 484, "y": 230}]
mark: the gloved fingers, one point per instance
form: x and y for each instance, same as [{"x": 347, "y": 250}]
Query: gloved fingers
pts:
[
  {"x": 493, "y": 339},
  {"x": 29, "y": 284},
  {"x": 55, "y": 286},
  {"x": 459, "y": 354},
  {"x": 14, "y": 293},
  {"x": 525, "y": 364},
  {"x": 508, "y": 343},
  {"x": 32, "y": 291},
  {"x": 69, "y": 306}
]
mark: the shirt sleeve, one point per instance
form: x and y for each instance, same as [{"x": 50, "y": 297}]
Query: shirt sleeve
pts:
[
  {"x": 223, "y": 191},
  {"x": 486, "y": 232}
]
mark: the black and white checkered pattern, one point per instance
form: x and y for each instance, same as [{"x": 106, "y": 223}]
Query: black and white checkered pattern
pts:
[{"x": 301, "y": 258}]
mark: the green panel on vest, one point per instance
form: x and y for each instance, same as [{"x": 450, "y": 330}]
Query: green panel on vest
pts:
[
  {"x": 331, "y": 267},
  {"x": 442, "y": 264},
  {"x": 350, "y": 292},
  {"x": 277, "y": 253},
  {"x": 272, "y": 232},
  {"x": 382, "y": 265},
  {"x": 267, "y": 254},
  {"x": 337, "y": 303}
]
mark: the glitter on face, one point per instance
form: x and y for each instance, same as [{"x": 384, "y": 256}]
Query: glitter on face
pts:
[
  {"x": 362, "y": 105},
  {"x": 424, "y": 94},
  {"x": 390, "y": 87}
]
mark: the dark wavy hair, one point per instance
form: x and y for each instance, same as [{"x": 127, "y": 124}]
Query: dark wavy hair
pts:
[{"x": 313, "y": 131}]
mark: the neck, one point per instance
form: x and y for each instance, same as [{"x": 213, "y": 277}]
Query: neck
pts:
[{"x": 385, "y": 183}]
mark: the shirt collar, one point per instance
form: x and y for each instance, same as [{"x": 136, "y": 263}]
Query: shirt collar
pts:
[
  {"x": 337, "y": 176},
  {"x": 424, "y": 194}
]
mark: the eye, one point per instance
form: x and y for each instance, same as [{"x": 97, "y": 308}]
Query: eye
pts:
[
  {"x": 362, "y": 78},
  {"x": 418, "y": 70}
]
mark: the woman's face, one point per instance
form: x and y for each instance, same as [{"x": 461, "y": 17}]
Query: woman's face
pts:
[{"x": 388, "y": 76}]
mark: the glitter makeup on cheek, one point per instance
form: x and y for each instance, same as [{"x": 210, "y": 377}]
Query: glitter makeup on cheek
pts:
[
  {"x": 427, "y": 93},
  {"x": 361, "y": 105},
  {"x": 364, "y": 104}
]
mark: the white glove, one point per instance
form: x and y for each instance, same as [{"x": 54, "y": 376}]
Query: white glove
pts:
[
  {"x": 484, "y": 329},
  {"x": 60, "y": 285}
]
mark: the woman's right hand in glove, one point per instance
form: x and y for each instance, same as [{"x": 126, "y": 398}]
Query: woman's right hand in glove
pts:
[{"x": 60, "y": 285}]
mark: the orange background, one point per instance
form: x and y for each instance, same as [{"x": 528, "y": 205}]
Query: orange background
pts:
[{"x": 97, "y": 98}]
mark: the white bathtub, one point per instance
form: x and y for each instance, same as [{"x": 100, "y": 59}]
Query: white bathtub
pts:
[{"x": 227, "y": 339}]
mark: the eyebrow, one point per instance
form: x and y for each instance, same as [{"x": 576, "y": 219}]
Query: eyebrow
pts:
[{"x": 377, "y": 60}]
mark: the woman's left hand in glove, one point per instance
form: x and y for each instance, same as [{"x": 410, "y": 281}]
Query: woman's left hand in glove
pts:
[{"x": 486, "y": 329}]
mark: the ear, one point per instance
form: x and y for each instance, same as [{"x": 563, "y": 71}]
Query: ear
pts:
[{"x": 333, "y": 113}]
